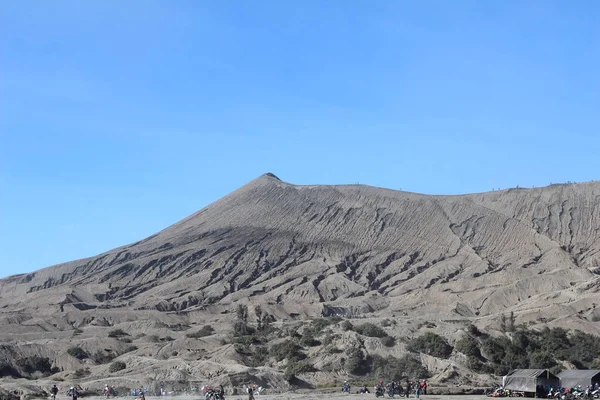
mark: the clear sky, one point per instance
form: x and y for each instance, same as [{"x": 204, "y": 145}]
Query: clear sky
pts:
[{"x": 118, "y": 118}]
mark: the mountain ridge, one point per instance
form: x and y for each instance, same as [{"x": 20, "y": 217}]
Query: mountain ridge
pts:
[
  {"x": 458, "y": 232},
  {"x": 426, "y": 262}
]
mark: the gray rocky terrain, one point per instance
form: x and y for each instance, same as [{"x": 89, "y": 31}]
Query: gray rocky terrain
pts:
[{"x": 303, "y": 252}]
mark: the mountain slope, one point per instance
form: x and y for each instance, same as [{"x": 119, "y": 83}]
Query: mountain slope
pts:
[
  {"x": 306, "y": 251},
  {"x": 332, "y": 245}
]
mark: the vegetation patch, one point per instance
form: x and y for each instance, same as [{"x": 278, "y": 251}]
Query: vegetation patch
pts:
[
  {"x": 77, "y": 352},
  {"x": 117, "y": 366},
  {"x": 206, "y": 330},
  {"x": 371, "y": 330},
  {"x": 431, "y": 344}
]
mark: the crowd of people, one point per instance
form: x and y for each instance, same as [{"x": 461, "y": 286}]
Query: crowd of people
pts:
[{"x": 393, "y": 388}]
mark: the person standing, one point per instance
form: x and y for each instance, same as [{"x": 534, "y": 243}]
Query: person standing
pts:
[
  {"x": 53, "y": 392},
  {"x": 424, "y": 386},
  {"x": 250, "y": 392}
]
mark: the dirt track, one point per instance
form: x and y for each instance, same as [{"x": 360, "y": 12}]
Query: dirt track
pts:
[{"x": 297, "y": 396}]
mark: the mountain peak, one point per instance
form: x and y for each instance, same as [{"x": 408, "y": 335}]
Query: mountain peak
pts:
[{"x": 270, "y": 175}]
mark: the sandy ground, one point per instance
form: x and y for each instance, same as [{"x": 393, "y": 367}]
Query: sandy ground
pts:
[{"x": 300, "y": 396}]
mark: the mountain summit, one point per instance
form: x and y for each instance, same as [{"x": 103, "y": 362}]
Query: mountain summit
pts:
[{"x": 347, "y": 250}]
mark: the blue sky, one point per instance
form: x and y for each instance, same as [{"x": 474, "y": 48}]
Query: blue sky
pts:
[{"x": 118, "y": 118}]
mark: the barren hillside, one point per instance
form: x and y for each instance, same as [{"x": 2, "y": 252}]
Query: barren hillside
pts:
[{"x": 309, "y": 251}]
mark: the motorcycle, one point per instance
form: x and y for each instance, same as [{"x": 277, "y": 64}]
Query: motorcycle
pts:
[
  {"x": 346, "y": 388},
  {"x": 379, "y": 392}
]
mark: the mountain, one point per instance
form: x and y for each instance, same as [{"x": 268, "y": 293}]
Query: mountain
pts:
[{"x": 347, "y": 250}]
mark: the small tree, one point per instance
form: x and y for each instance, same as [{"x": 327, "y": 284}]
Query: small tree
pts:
[
  {"x": 259, "y": 317},
  {"x": 503, "y": 326},
  {"x": 240, "y": 327},
  {"x": 355, "y": 362}
]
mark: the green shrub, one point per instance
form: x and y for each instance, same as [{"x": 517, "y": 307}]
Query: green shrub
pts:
[
  {"x": 431, "y": 344},
  {"x": 77, "y": 352},
  {"x": 206, "y": 330},
  {"x": 317, "y": 325},
  {"x": 35, "y": 364},
  {"x": 294, "y": 368},
  {"x": 117, "y": 333},
  {"x": 125, "y": 340},
  {"x": 388, "y": 341},
  {"x": 154, "y": 338},
  {"x": 355, "y": 364},
  {"x": 286, "y": 350},
  {"x": 117, "y": 366},
  {"x": 391, "y": 368},
  {"x": 371, "y": 330},
  {"x": 541, "y": 360},
  {"x": 468, "y": 346}
]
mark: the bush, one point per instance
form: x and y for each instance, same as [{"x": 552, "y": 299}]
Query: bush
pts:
[
  {"x": 101, "y": 357},
  {"x": 468, "y": 346},
  {"x": 8, "y": 370},
  {"x": 388, "y": 341},
  {"x": 81, "y": 373},
  {"x": 154, "y": 338},
  {"x": 117, "y": 366},
  {"x": 129, "y": 349},
  {"x": 355, "y": 364},
  {"x": 541, "y": 360},
  {"x": 206, "y": 330},
  {"x": 125, "y": 340},
  {"x": 392, "y": 368},
  {"x": 286, "y": 350},
  {"x": 77, "y": 352},
  {"x": 317, "y": 325},
  {"x": 431, "y": 344},
  {"x": 473, "y": 330},
  {"x": 117, "y": 333},
  {"x": 35, "y": 364},
  {"x": 371, "y": 330},
  {"x": 309, "y": 340},
  {"x": 294, "y": 368},
  {"x": 347, "y": 326}
]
